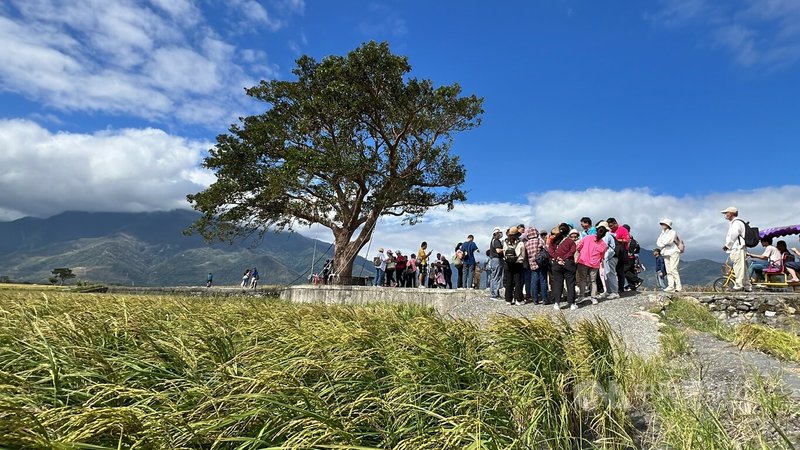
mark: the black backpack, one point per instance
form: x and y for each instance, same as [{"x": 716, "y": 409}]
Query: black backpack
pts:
[
  {"x": 542, "y": 258},
  {"x": 751, "y": 235},
  {"x": 633, "y": 248},
  {"x": 619, "y": 250},
  {"x": 510, "y": 254}
]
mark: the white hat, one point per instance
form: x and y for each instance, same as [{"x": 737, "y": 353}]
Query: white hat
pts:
[
  {"x": 730, "y": 209},
  {"x": 497, "y": 230},
  {"x": 574, "y": 231},
  {"x": 603, "y": 224},
  {"x": 380, "y": 250},
  {"x": 666, "y": 222}
]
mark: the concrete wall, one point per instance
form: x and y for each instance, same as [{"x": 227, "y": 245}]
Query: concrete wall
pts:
[
  {"x": 442, "y": 300},
  {"x": 779, "y": 310}
]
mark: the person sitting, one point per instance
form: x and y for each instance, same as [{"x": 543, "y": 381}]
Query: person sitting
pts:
[
  {"x": 771, "y": 257},
  {"x": 789, "y": 262}
]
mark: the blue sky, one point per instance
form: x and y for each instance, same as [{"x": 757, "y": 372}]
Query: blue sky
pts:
[{"x": 640, "y": 110}]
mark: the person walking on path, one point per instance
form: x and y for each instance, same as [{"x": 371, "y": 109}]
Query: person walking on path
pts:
[
  {"x": 496, "y": 265},
  {"x": 459, "y": 265},
  {"x": 254, "y": 278},
  {"x": 514, "y": 256},
  {"x": 661, "y": 270},
  {"x": 611, "y": 286},
  {"x": 668, "y": 244},
  {"x": 538, "y": 284},
  {"x": 735, "y": 247},
  {"x": 562, "y": 251},
  {"x": 469, "y": 248},
  {"x": 591, "y": 253},
  {"x": 379, "y": 261}
]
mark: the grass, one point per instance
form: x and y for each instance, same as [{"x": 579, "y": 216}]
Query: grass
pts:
[
  {"x": 779, "y": 343},
  {"x": 104, "y": 371}
]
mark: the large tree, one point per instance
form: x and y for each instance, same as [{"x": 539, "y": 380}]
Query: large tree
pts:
[{"x": 352, "y": 139}]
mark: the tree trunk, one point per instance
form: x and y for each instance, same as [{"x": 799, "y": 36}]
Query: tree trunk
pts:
[{"x": 344, "y": 257}]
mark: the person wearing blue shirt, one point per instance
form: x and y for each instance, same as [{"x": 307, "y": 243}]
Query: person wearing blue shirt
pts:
[
  {"x": 586, "y": 228},
  {"x": 661, "y": 269},
  {"x": 469, "y": 248}
]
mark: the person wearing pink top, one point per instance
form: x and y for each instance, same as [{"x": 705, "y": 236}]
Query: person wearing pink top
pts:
[{"x": 591, "y": 253}]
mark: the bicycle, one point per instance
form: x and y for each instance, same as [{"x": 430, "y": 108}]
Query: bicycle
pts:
[{"x": 726, "y": 282}]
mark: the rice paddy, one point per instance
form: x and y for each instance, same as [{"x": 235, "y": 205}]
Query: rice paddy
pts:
[
  {"x": 89, "y": 371},
  {"x": 103, "y": 371}
]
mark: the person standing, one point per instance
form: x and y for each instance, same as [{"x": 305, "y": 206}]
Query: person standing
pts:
[
  {"x": 610, "y": 262},
  {"x": 586, "y": 227},
  {"x": 661, "y": 270},
  {"x": 400, "y": 268},
  {"x": 379, "y": 261},
  {"x": 469, "y": 248},
  {"x": 326, "y": 271},
  {"x": 390, "y": 266},
  {"x": 735, "y": 247},
  {"x": 514, "y": 256},
  {"x": 562, "y": 251},
  {"x": 447, "y": 270},
  {"x": 457, "y": 255},
  {"x": 591, "y": 253},
  {"x": 668, "y": 244},
  {"x": 412, "y": 272},
  {"x": 245, "y": 279},
  {"x": 496, "y": 264},
  {"x": 422, "y": 263},
  {"x": 209, "y": 280},
  {"x": 254, "y": 278},
  {"x": 538, "y": 284}
]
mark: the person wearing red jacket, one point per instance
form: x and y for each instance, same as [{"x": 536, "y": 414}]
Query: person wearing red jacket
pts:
[{"x": 562, "y": 251}]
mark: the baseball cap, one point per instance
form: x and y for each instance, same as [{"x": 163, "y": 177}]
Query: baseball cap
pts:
[{"x": 730, "y": 209}]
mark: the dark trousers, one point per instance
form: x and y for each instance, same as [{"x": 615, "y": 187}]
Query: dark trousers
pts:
[
  {"x": 390, "y": 277},
  {"x": 448, "y": 278},
  {"x": 460, "y": 270},
  {"x": 401, "y": 276},
  {"x": 561, "y": 274},
  {"x": 630, "y": 272},
  {"x": 621, "y": 265},
  {"x": 514, "y": 278}
]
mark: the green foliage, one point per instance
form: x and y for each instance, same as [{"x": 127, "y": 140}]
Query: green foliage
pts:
[
  {"x": 80, "y": 370},
  {"x": 694, "y": 315},
  {"x": 63, "y": 274},
  {"x": 352, "y": 139},
  {"x": 779, "y": 343}
]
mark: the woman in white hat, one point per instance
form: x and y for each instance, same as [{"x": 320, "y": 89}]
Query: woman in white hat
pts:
[{"x": 668, "y": 244}]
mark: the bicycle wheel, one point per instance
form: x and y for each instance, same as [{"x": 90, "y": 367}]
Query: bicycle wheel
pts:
[{"x": 722, "y": 284}]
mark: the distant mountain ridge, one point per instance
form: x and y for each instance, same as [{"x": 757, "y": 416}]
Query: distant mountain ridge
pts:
[{"x": 149, "y": 249}]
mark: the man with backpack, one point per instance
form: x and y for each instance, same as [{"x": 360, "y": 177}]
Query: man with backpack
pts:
[
  {"x": 736, "y": 246},
  {"x": 514, "y": 256}
]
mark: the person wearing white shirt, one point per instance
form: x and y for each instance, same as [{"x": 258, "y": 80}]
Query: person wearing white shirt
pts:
[
  {"x": 734, "y": 245},
  {"x": 667, "y": 243},
  {"x": 380, "y": 270},
  {"x": 772, "y": 257}
]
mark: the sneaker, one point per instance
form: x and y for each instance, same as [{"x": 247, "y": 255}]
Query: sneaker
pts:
[
  {"x": 738, "y": 289},
  {"x": 573, "y": 307},
  {"x": 519, "y": 303},
  {"x": 613, "y": 296},
  {"x": 602, "y": 296},
  {"x": 594, "y": 301},
  {"x": 497, "y": 299},
  {"x": 556, "y": 306},
  {"x": 669, "y": 289},
  {"x": 748, "y": 289}
]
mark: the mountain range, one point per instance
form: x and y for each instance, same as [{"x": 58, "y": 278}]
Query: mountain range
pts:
[{"x": 150, "y": 249}]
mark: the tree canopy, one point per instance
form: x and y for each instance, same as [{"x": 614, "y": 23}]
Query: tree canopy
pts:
[{"x": 352, "y": 139}]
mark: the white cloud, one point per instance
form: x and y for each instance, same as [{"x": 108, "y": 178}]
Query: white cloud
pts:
[
  {"x": 156, "y": 60},
  {"x": 757, "y": 33},
  {"x": 45, "y": 173},
  {"x": 696, "y": 218}
]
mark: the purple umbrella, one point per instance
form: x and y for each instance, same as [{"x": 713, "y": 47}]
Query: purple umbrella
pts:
[{"x": 779, "y": 231}]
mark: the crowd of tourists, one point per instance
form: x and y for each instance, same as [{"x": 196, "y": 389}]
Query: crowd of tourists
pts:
[{"x": 566, "y": 265}]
